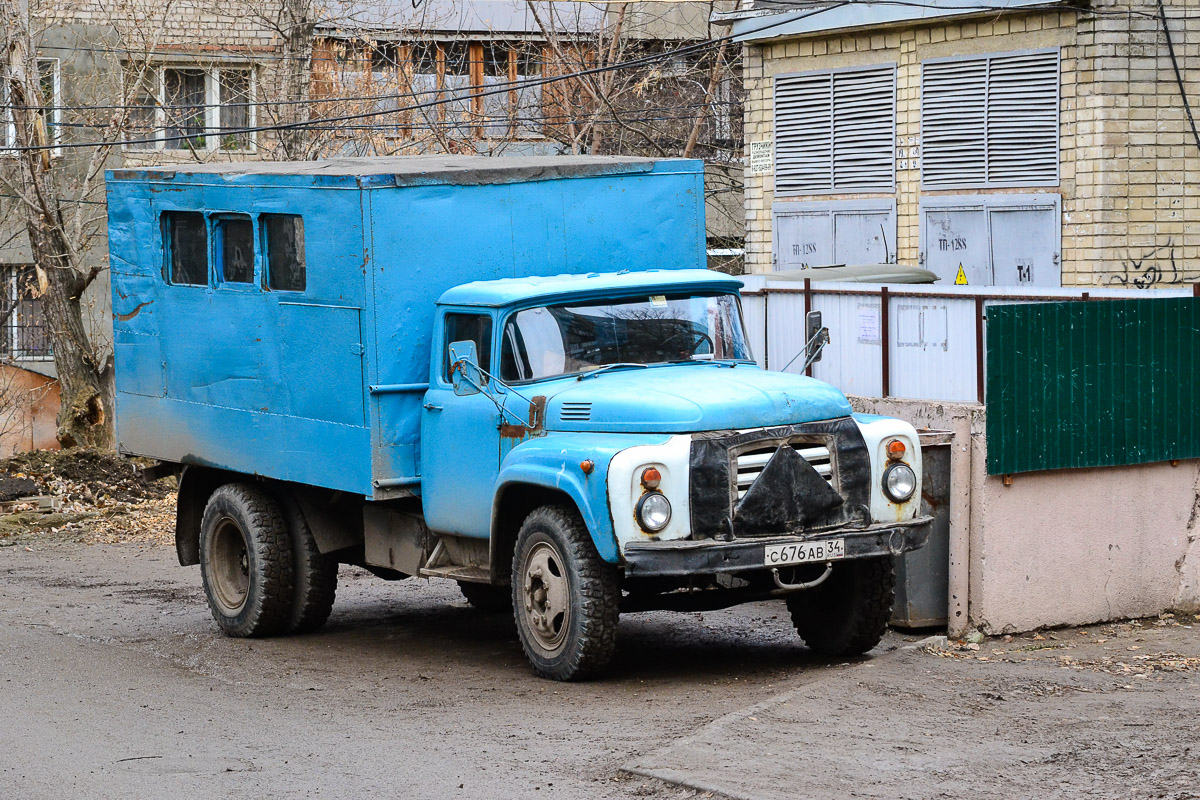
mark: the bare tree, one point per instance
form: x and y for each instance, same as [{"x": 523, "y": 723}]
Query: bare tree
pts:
[{"x": 60, "y": 224}]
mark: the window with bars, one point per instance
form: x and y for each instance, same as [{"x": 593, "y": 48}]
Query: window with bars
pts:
[
  {"x": 50, "y": 113},
  {"x": 990, "y": 121},
  {"x": 186, "y": 107},
  {"x": 24, "y": 334},
  {"x": 834, "y": 131}
]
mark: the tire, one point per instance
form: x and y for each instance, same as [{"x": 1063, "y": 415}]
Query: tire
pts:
[
  {"x": 486, "y": 598},
  {"x": 847, "y": 614},
  {"x": 315, "y": 575},
  {"x": 246, "y": 561},
  {"x": 555, "y": 564}
]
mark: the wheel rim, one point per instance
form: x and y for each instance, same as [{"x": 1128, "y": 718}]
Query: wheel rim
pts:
[
  {"x": 546, "y": 596},
  {"x": 229, "y": 566}
]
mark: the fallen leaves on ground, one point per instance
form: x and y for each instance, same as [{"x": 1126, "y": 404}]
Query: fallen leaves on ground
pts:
[{"x": 82, "y": 495}]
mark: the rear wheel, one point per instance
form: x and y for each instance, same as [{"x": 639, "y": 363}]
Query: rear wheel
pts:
[
  {"x": 487, "y": 598},
  {"x": 246, "y": 561},
  {"x": 848, "y": 613},
  {"x": 315, "y": 574},
  {"x": 565, "y": 597}
]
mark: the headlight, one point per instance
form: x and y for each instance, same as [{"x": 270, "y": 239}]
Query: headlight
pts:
[
  {"x": 653, "y": 511},
  {"x": 899, "y": 482}
]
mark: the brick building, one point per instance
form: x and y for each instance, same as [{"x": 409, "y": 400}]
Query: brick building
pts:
[{"x": 1006, "y": 143}]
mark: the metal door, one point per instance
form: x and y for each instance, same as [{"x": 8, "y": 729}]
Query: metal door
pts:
[
  {"x": 1024, "y": 246},
  {"x": 862, "y": 237},
  {"x": 957, "y": 239},
  {"x": 802, "y": 240},
  {"x": 460, "y": 441}
]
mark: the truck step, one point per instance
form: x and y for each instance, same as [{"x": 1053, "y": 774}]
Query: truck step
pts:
[{"x": 458, "y": 573}]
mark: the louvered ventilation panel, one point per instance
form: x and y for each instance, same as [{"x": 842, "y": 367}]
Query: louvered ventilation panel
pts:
[
  {"x": 990, "y": 121},
  {"x": 834, "y": 131},
  {"x": 576, "y": 412},
  {"x": 864, "y": 127}
]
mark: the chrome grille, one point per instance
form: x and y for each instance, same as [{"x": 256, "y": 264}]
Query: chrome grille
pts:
[{"x": 750, "y": 463}]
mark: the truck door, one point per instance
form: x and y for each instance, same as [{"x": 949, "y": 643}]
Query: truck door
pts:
[{"x": 460, "y": 438}]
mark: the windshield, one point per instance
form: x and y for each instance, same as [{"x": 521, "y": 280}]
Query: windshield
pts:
[{"x": 563, "y": 340}]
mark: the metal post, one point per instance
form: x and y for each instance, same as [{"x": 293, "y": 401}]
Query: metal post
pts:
[
  {"x": 883, "y": 335},
  {"x": 979, "y": 382},
  {"x": 766, "y": 328},
  {"x": 808, "y": 306}
]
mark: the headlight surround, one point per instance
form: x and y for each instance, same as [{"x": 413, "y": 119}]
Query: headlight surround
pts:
[
  {"x": 653, "y": 512},
  {"x": 899, "y": 482}
]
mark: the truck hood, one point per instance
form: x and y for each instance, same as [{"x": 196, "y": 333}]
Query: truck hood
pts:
[{"x": 684, "y": 398}]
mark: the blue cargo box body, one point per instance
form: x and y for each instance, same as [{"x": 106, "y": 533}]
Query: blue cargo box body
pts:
[{"x": 324, "y": 386}]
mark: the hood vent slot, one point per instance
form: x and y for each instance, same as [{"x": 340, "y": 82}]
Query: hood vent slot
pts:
[{"x": 576, "y": 412}]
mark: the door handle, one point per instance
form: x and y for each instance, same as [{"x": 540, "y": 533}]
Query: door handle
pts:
[{"x": 432, "y": 407}]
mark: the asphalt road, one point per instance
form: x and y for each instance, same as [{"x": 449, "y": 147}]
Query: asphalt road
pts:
[{"x": 115, "y": 683}]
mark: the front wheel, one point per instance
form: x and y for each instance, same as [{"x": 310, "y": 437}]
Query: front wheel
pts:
[
  {"x": 848, "y": 613},
  {"x": 565, "y": 597}
]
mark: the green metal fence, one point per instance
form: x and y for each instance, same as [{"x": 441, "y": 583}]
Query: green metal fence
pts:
[{"x": 1092, "y": 384}]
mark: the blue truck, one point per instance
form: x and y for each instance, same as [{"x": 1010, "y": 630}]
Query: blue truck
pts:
[{"x": 511, "y": 373}]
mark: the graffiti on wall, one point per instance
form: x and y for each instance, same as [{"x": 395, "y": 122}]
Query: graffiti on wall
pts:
[{"x": 1158, "y": 266}]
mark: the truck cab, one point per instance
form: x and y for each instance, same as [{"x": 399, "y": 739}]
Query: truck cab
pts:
[{"x": 611, "y": 437}]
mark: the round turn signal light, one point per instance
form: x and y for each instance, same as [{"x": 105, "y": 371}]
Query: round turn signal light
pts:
[{"x": 651, "y": 478}]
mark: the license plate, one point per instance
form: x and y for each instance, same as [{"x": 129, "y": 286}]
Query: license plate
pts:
[{"x": 804, "y": 552}]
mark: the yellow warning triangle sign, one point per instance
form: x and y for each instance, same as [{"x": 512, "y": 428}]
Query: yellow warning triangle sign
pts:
[{"x": 961, "y": 278}]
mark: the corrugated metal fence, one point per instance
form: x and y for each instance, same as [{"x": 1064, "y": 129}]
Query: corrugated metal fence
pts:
[
  {"x": 925, "y": 342},
  {"x": 1092, "y": 384}
]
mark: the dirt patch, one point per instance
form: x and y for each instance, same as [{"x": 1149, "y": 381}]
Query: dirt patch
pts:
[
  {"x": 83, "y": 476},
  {"x": 82, "y": 495}
]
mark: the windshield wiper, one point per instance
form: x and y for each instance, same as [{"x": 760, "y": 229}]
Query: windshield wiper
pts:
[
  {"x": 720, "y": 362},
  {"x": 614, "y": 366}
]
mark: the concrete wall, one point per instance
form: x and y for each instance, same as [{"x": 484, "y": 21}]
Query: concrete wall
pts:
[
  {"x": 1063, "y": 547},
  {"x": 1129, "y": 165}
]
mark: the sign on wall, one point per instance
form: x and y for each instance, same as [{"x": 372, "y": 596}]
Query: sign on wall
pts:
[{"x": 760, "y": 157}]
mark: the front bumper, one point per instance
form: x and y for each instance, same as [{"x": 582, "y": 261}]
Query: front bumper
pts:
[{"x": 709, "y": 557}]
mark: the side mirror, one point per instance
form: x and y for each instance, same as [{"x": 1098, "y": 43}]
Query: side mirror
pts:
[
  {"x": 464, "y": 369},
  {"x": 812, "y": 331}
]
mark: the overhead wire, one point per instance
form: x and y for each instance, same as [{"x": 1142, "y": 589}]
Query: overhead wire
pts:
[
  {"x": 541, "y": 81},
  {"x": 1187, "y": 106}
]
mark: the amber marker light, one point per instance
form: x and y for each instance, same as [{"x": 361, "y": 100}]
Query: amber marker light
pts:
[
  {"x": 651, "y": 478},
  {"x": 587, "y": 466},
  {"x": 896, "y": 449}
]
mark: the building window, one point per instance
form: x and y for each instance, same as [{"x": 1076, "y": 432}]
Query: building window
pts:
[
  {"x": 285, "y": 251},
  {"x": 188, "y": 107},
  {"x": 24, "y": 334},
  {"x": 476, "y": 89},
  {"x": 990, "y": 121},
  {"x": 50, "y": 113},
  {"x": 835, "y": 131}
]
